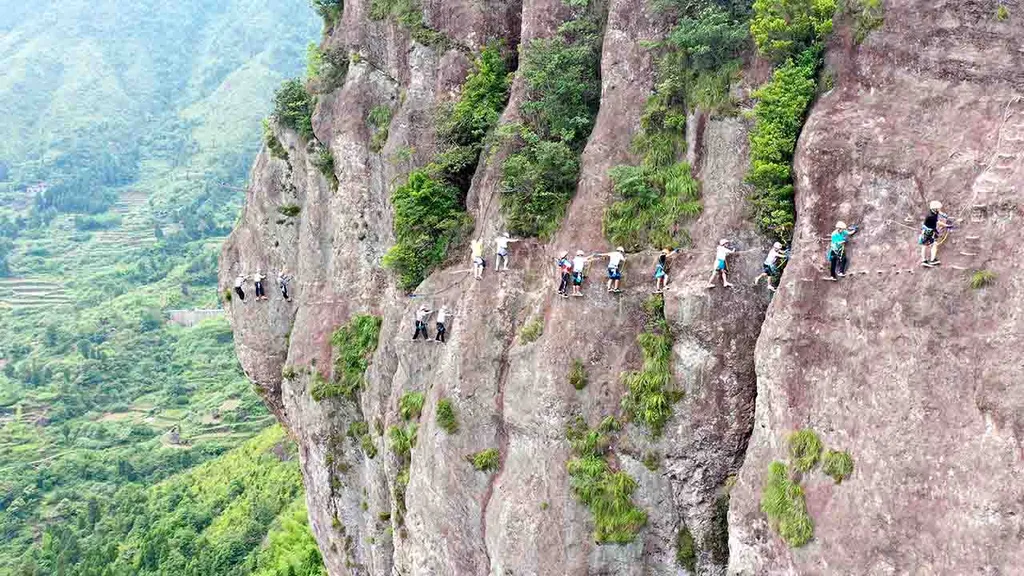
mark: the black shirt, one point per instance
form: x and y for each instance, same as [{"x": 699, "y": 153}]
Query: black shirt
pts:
[{"x": 931, "y": 221}]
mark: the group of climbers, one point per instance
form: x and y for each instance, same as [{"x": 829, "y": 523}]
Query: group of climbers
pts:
[
  {"x": 423, "y": 314},
  {"x": 283, "y": 279}
]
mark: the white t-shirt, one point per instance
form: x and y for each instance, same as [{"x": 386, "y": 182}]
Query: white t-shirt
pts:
[
  {"x": 773, "y": 255},
  {"x": 578, "y": 263},
  {"x": 422, "y": 314},
  {"x": 722, "y": 253},
  {"x": 615, "y": 259},
  {"x": 442, "y": 315},
  {"x": 502, "y": 243}
]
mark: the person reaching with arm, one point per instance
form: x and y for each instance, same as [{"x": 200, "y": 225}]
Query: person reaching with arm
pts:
[
  {"x": 421, "y": 322},
  {"x": 837, "y": 250},
  {"x": 661, "y": 270},
  {"x": 239, "y": 283},
  {"x": 579, "y": 265},
  {"x": 615, "y": 261},
  {"x": 442, "y": 318},
  {"x": 771, "y": 266},
  {"x": 501, "y": 259},
  {"x": 721, "y": 264}
]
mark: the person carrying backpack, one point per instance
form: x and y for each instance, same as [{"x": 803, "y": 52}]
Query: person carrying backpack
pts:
[
  {"x": 661, "y": 270},
  {"x": 283, "y": 278}
]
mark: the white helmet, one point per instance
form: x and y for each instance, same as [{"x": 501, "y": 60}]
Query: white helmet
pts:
[
  {"x": 723, "y": 242},
  {"x": 620, "y": 249},
  {"x": 777, "y": 246},
  {"x": 935, "y": 205},
  {"x": 840, "y": 225},
  {"x": 579, "y": 252},
  {"x": 506, "y": 234}
]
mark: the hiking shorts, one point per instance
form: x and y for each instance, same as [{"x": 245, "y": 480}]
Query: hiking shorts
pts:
[
  {"x": 659, "y": 271},
  {"x": 479, "y": 262},
  {"x": 719, "y": 264},
  {"x": 614, "y": 273},
  {"x": 926, "y": 238},
  {"x": 577, "y": 278},
  {"x": 503, "y": 253},
  {"x": 770, "y": 270}
]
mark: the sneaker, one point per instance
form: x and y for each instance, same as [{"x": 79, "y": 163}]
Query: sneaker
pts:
[
  {"x": 727, "y": 285},
  {"x": 709, "y": 286},
  {"x": 841, "y": 274}
]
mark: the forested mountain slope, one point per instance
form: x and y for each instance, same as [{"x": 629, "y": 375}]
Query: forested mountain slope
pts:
[{"x": 127, "y": 131}]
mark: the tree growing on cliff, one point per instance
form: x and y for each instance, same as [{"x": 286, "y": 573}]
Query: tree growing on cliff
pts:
[{"x": 293, "y": 107}]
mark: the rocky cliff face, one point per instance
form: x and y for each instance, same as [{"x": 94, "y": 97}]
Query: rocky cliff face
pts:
[
  {"x": 911, "y": 373},
  {"x": 911, "y": 370}
]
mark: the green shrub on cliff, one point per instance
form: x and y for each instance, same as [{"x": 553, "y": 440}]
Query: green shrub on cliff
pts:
[
  {"x": 410, "y": 405},
  {"x": 686, "y": 549},
  {"x": 562, "y": 96},
  {"x": 607, "y": 492},
  {"x": 779, "y": 114},
  {"x": 578, "y": 375},
  {"x": 326, "y": 68},
  {"x": 329, "y": 10},
  {"x": 445, "y": 417},
  {"x": 486, "y": 460},
  {"x": 428, "y": 219},
  {"x": 838, "y": 465},
  {"x": 804, "y": 449},
  {"x": 651, "y": 203},
  {"x": 649, "y": 399},
  {"x": 293, "y": 107},
  {"x": 354, "y": 344},
  {"x": 784, "y": 28},
  {"x": 783, "y": 502}
]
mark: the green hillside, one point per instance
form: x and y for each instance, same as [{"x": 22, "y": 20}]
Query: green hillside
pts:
[{"x": 128, "y": 130}]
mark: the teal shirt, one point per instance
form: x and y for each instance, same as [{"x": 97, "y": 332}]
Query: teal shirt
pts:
[{"x": 839, "y": 241}]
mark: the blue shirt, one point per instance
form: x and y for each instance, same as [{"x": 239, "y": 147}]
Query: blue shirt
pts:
[{"x": 839, "y": 241}]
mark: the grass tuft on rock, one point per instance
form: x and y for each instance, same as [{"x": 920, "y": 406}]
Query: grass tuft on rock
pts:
[
  {"x": 289, "y": 210},
  {"x": 485, "y": 460},
  {"x": 650, "y": 397},
  {"x": 982, "y": 278},
  {"x": 783, "y": 502},
  {"x": 804, "y": 449},
  {"x": 607, "y": 492},
  {"x": 445, "y": 417},
  {"x": 578, "y": 374},
  {"x": 410, "y": 405},
  {"x": 838, "y": 465},
  {"x": 686, "y": 549},
  {"x": 531, "y": 331},
  {"x": 354, "y": 344}
]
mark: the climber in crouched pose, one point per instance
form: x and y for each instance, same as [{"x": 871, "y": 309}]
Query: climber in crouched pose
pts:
[
  {"x": 239, "y": 283},
  {"x": 772, "y": 266}
]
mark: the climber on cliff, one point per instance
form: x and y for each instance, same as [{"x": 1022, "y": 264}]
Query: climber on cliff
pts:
[
  {"x": 477, "y": 251},
  {"x": 501, "y": 259},
  {"x": 564, "y": 273},
  {"x": 772, "y": 266},
  {"x": 615, "y": 261},
  {"x": 721, "y": 265},
  {"x": 934, "y": 223},
  {"x": 258, "y": 279},
  {"x": 579, "y": 265},
  {"x": 421, "y": 322},
  {"x": 442, "y": 318},
  {"x": 837, "y": 250},
  {"x": 239, "y": 282},
  {"x": 661, "y": 270},
  {"x": 283, "y": 278}
]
